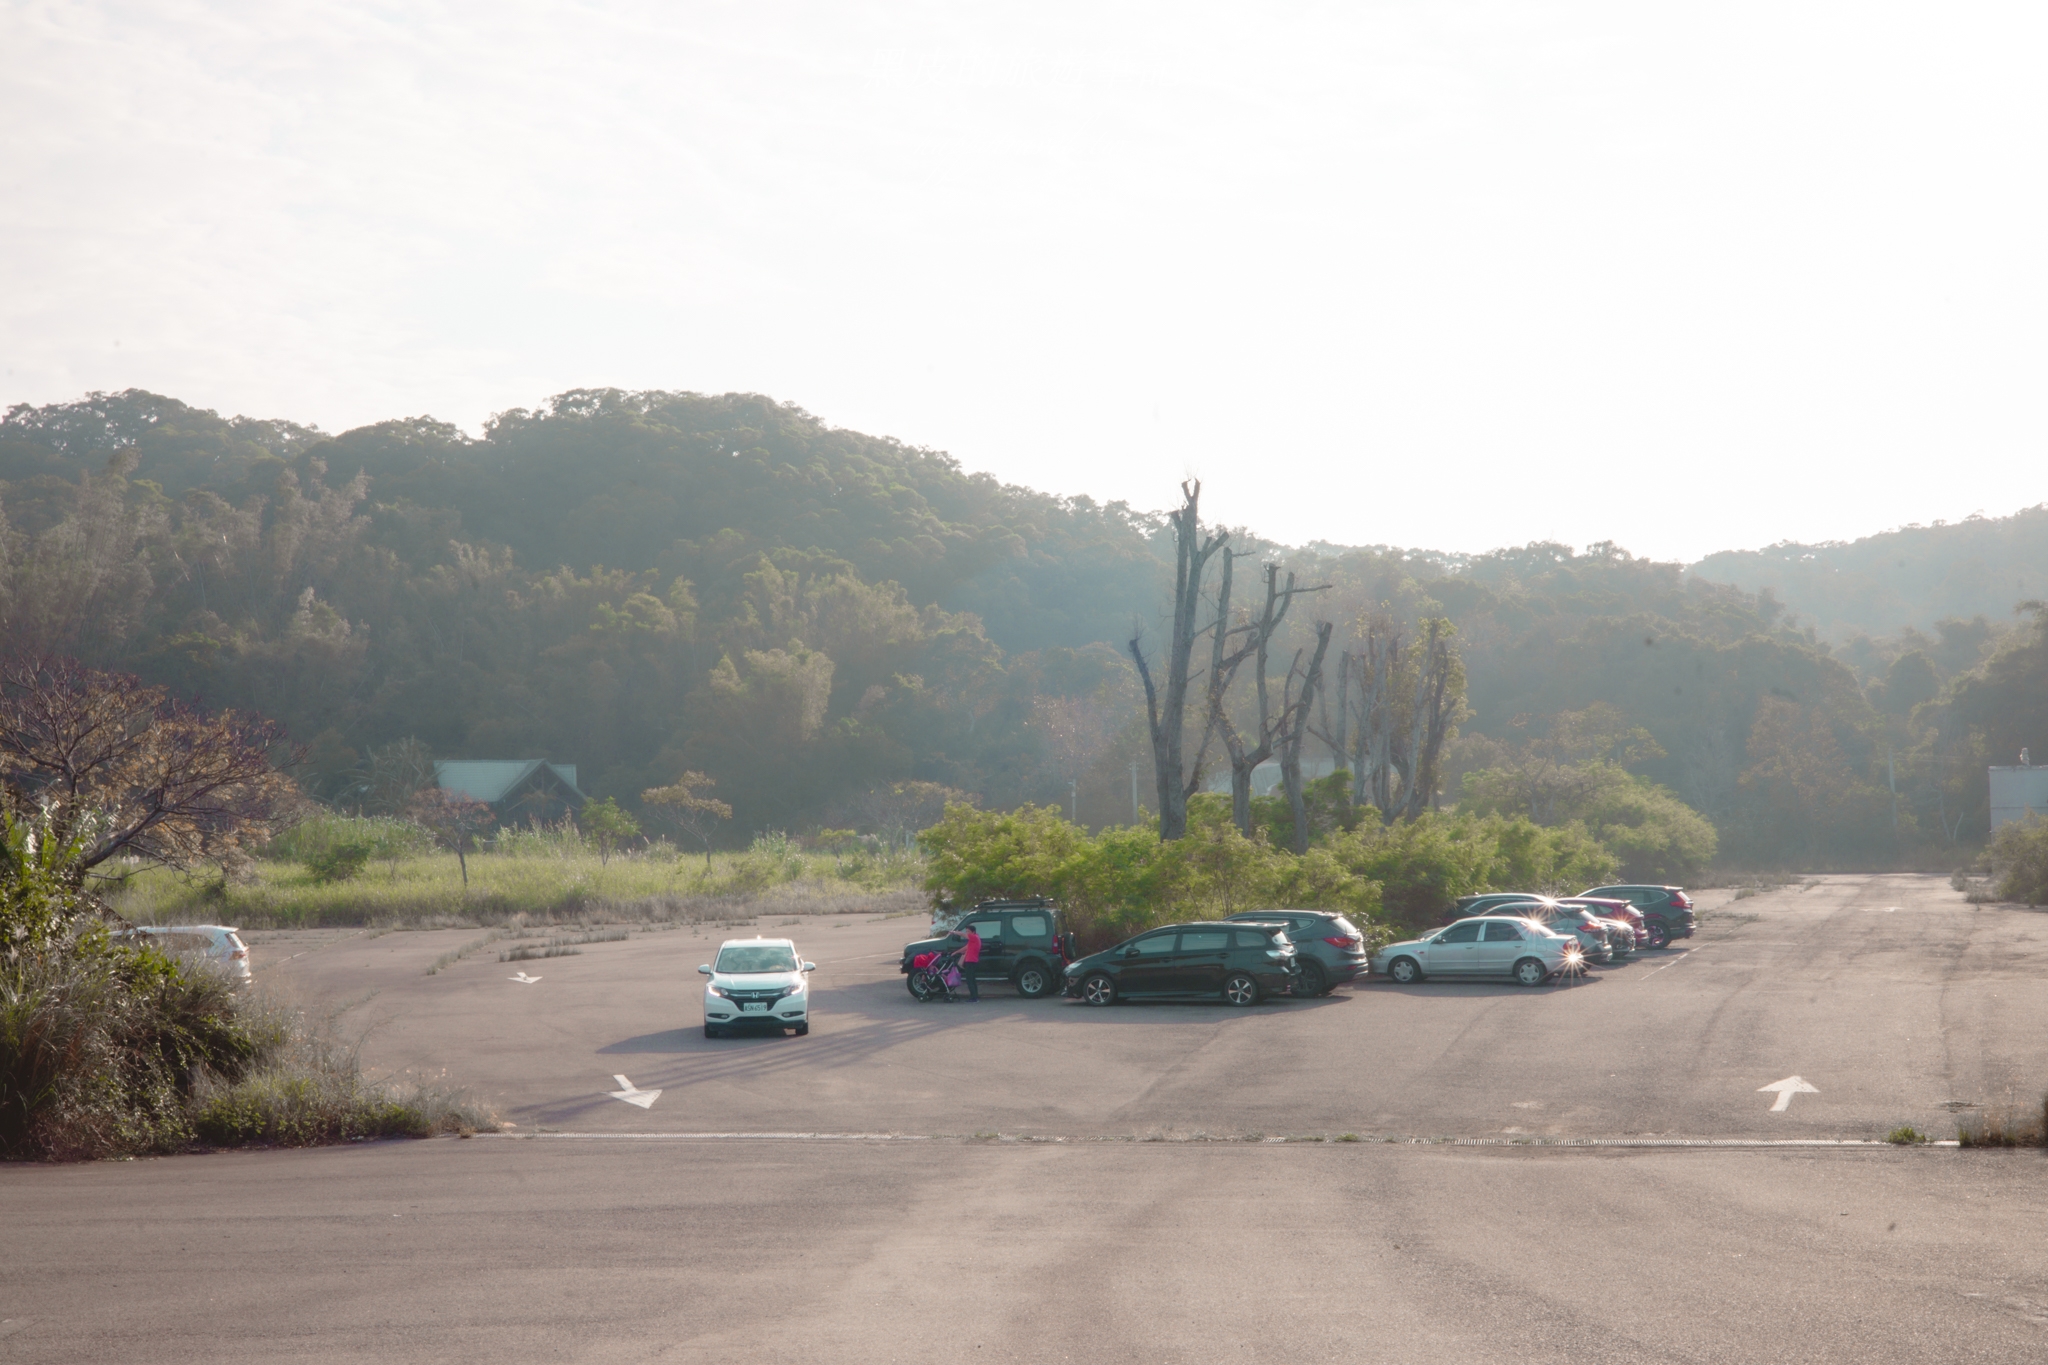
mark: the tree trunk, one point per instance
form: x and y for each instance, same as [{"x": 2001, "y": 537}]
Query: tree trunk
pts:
[
  {"x": 1167, "y": 715},
  {"x": 1223, "y": 666},
  {"x": 1295, "y": 718},
  {"x": 1431, "y": 721}
]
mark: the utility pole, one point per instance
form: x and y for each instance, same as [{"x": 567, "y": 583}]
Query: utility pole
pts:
[
  {"x": 1074, "y": 800},
  {"x": 1135, "y": 816}
]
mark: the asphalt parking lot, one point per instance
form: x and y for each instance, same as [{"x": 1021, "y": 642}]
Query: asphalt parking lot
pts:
[
  {"x": 1896, "y": 1001},
  {"x": 1050, "y": 1182}
]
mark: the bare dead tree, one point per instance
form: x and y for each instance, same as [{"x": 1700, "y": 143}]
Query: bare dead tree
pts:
[
  {"x": 1298, "y": 705},
  {"x": 1167, "y": 715},
  {"x": 1380, "y": 666},
  {"x": 1430, "y": 720},
  {"x": 1362, "y": 740},
  {"x": 1257, "y": 637}
]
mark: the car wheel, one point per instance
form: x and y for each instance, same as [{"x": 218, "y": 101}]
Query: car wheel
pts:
[
  {"x": 1404, "y": 971},
  {"x": 1531, "y": 972},
  {"x": 710, "y": 1032},
  {"x": 1241, "y": 989},
  {"x": 1098, "y": 989},
  {"x": 1660, "y": 934},
  {"x": 1033, "y": 980},
  {"x": 803, "y": 1028},
  {"x": 1312, "y": 981}
]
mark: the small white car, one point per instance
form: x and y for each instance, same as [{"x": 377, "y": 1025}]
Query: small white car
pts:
[
  {"x": 757, "y": 982},
  {"x": 218, "y": 944}
]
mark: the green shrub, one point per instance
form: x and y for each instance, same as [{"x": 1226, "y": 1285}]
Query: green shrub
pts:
[
  {"x": 1653, "y": 836},
  {"x": 100, "y": 1047},
  {"x": 1907, "y": 1136},
  {"x": 303, "y": 1109},
  {"x": 2019, "y": 860},
  {"x": 1123, "y": 879},
  {"x": 339, "y": 862},
  {"x": 111, "y": 1051},
  {"x": 319, "y": 834}
]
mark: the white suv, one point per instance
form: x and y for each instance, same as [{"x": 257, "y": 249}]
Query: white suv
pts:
[
  {"x": 757, "y": 981},
  {"x": 216, "y": 943}
]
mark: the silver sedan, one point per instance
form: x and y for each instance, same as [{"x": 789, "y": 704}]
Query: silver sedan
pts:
[{"x": 1499, "y": 947}]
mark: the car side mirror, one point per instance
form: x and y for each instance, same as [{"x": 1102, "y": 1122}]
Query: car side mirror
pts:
[
  {"x": 705, "y": 968},
  {"x": 809, "y": 967},
  {"x": 1130, "y": 952}
]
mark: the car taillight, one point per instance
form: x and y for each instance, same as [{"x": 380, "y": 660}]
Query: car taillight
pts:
[
  {"x": 1678, "y": 899},
  {"x": 1343, "y": 941},
  {"x": 239, "y": 953}
]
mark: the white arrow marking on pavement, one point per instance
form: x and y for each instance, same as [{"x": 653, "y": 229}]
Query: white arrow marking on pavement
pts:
[
  {"x": 644, "y": 1098},
  {"x": 1787, "y": 1088},
  {"x": 523, "y": 979}
]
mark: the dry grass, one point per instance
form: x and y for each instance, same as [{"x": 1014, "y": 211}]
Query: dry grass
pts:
[
  {"x": 2008, "y": 1125},
  {"x": 566, "y": 886}
]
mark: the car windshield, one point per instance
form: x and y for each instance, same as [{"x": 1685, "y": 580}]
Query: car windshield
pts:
[{"x": 741, "y": 959}]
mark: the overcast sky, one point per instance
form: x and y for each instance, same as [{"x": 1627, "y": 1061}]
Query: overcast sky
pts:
[{"x": 1456, "y": 275}]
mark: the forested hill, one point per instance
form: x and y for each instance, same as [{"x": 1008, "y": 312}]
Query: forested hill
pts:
[
  {"x": 1915, "y": 576},
  {"x": 673, "y": 483},
  {"x": 640, "y": 583}
]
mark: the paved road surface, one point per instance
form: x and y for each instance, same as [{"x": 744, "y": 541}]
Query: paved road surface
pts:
[
  {"x": 597, "y": 1250},
  {"x": 587, "y": 1236}
]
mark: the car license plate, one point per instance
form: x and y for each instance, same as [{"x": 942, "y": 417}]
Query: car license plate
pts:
[{"x": 754, "y": 1007}]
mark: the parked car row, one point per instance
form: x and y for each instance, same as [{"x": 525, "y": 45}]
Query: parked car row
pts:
[
  {"x": 1249, "y": 957},
  {"x": 1530, "y": 938}
]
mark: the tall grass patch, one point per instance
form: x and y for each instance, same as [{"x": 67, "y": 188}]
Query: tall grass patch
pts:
[
  {"x": 533, "y": 875},
  {"x": 112, "y": 1051}
]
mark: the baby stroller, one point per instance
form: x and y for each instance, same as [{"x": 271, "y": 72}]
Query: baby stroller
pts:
[{"x": 934, "y": 975}]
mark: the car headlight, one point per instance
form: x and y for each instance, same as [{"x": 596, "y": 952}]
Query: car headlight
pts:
[
  {"x": 1073, "y": 967},
  {"x": 718, "y": 991}
]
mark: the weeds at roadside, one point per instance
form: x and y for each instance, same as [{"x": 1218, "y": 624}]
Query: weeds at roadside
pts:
[
  {"x": 563, "y": 947},
  {"x": 1757, "y": 883},
  {"x": 447, "y": 960},
  {"x": 2007, "y": 1125},
  {"x": 1906, "y": 1136}
]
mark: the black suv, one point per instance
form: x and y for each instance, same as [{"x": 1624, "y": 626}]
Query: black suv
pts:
[
  {"x": 1667, "y": 911},
  {"x": 1022, "y": 942},
  {"x": 1243, "y": 963},
  {"x": 1328, "y": 948}
]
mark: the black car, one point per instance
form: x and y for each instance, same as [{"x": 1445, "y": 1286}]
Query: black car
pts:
[
  {"x": 1242, "y": 963},
  {"x": 1022, "y": 942},
  {"x": 1667, "y": 910},
  {"x": 1488, "y": 903},
  {"x": 1328, "y": 948}
]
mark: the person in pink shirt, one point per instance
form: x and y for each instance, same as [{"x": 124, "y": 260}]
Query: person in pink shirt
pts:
[{"x": 970, "y": 960}]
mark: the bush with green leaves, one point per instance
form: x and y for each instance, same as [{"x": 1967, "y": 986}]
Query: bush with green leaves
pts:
[
  {"x": 2018, "y": 857},
  {"x": 1124, "y": 879},
  {"x": 1653, "y": 836},
  {"x": 339, "y": 862},
  {"x": 321, "y": 833},
  {"x": 108, "y": 1047}
]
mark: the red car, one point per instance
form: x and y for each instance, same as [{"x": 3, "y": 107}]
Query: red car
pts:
[{"x": 1613, "y": 909}]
